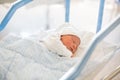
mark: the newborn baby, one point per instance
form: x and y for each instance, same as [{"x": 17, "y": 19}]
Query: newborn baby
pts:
[
  {"x": 64, "y": 41},
  {"x": 71, "y": 42}
]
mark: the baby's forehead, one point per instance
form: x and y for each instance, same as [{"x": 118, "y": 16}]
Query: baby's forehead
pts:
[{"x": 70, "y": 35}]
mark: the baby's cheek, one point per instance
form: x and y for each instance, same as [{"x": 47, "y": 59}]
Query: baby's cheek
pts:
[{"x": 68, "y": 43}]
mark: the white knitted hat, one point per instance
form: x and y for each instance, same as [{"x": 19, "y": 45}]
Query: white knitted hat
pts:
[{"x": 67, "y": 29}]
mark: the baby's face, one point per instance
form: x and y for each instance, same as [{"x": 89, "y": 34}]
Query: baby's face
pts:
[{"x": 71, "y": 42}]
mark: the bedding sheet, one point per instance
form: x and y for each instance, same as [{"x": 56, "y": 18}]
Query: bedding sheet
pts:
[
  {"x": 23, "y": 59},
  {"x": 26, "y": 59}
]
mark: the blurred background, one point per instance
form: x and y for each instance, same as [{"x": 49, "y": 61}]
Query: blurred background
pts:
[
  {"x": 46, "y": 14},
  {"x": 41, "y": 15}
]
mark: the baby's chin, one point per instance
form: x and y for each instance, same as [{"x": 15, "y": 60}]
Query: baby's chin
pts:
[{"x": 73, "y": 55}]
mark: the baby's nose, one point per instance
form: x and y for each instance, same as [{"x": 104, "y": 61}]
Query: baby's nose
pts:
[{"x": 74, "y": 47}]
